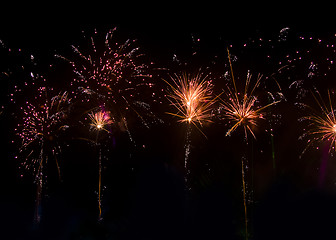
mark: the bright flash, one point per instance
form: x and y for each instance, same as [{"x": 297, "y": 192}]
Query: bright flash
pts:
[{"x": 100, "y": 119}]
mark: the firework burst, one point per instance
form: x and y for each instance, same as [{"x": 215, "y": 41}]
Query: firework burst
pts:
[
  {"x": 100, "y": 120},
  {"x": 321, "y": 124},
  {"x": 241, "y": 108},
  {"x": 40, "y": 133},
  {"x": 113, "y": 75},
  {"x": 191, "y": 96}
]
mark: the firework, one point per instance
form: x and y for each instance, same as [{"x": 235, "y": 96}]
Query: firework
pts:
[
  {"x": 322, "y": 124},
  {"x": 115, "y": 77},
  {"x": 113, "y": 74},
  {"x": 321, "y": 129},
  {"x": 40, "y": 132},
  {"x": 99, "y": 121},
  {"x": 240, "y": 108},
  {"x": 191, "y": 97}
]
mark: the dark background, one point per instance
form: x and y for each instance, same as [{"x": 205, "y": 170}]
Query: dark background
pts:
[{"x": 145, "y": 196}]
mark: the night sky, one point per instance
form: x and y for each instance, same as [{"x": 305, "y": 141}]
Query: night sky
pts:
[{"x": 290, "y": 195}]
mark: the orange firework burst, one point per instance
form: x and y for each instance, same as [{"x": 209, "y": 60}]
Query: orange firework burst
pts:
[
  {"x": 322, "y": 125},
  {"x": 241, "y": 108},
  {"x": 99, "y": 120},
  {"x": 191, "y": 96}
]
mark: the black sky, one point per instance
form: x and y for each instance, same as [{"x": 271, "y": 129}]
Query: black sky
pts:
[{"x": 145, "y": 197}]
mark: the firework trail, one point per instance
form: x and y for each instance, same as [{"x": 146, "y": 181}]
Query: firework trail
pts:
[
  {"x": 191, "y": 97},
  {"x": 244, "y": 196},
  {"x": 273, "y": 148},
  {"x": 187, "y": 147},
  {"x": 113, "y": 75},
  {"x": 40, "y": 132},
  {"x": 99, "y": 121}
]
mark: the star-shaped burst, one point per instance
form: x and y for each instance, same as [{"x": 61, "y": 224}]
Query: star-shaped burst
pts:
[{"x": 191, "y": 96}]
